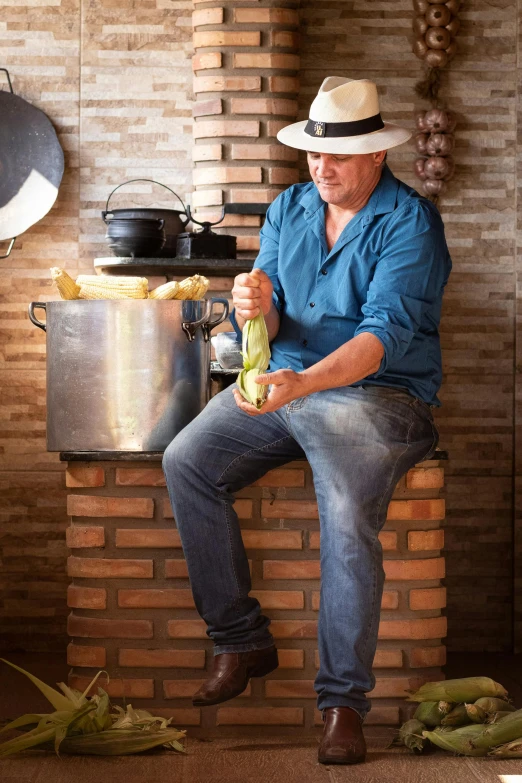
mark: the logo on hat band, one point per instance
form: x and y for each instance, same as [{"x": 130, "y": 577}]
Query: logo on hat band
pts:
[{"x": 338, "y": 129}]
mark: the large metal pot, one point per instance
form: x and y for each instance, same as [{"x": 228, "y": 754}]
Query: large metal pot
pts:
[{"x": 125, "y": 375}]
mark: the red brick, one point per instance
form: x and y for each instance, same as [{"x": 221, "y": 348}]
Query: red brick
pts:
[
  {"x": 291, "y": 659},
  {"x": 207, "y": 16},
  {"x": 81, "y": 655},
  {"x": 82, "y": 537},
  {"x": 140, "y": 477},
  {"x": 285, "y": 38},
  {"x": 181, "y": 716},
  {"x": 184, "y": 689},
  {"x": 289, "y": 509},
  {"x": 423, "y": 657},
  {"x": 187, "y": 629},
  {"x": 425, "y": 478},
  {"x": 98, "y": 568},
  {"x": 416, "y": 509},
  {"x": 267, "y": 60},
  {"x": 148, "y": 538},
  {"x": 86, "y": 597},
  {"x": 226, "y": 174},
  {"x": 264, "y": 152},
  {"x": 284, "y": 84},
  {"x": 266, "y": 16},
  {"x": 274, "y": 126},
  {"x": 281, "y": 477},
  {"x": 278, "y": 176},
  {"x": 430, "y": 598},
  {"x": 260, "y": 716},
  {"x": 291, "y": 569},
  {"x": 284, "y": 106},
  {"x": 427, "y": 628},
  {"x": 421, "y": 540},
  {"x": 76, "y": 476},
  {"x": 207, "y": 152},
  {"x": 242, "y": 507},
  {"x": 247, "y": 243},
  {"x": 204, "y": 60},
  {"x": 96, "y": 506},
  {"x": 180, "y": 659},
  {"x": 156, "y": 599},
  {"x": 219, "y": 83},
  {"x": 272, "y": 539},
  {"x": 294, "y": 629},
  {"x": 110, "y": 628},
  {"x": 226, "y": 38},
  {"x": 431, "y": 568},
  {"x": 176, "y": 569},
  {"x": 395, "y": 687},
  {"x": 259, "y": 195},
  {"x": 279, "y": 599},
  {"x": 117, "y": 688},
  {"x": 205, "y": 198},
  {"x": 207, "y": 108}
]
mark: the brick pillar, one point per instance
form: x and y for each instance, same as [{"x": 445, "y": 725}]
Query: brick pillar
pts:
[
  {"x": 132, "y": 611},
  {"x": 246, "y": 86}
]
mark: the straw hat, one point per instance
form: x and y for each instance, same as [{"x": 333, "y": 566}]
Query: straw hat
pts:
[{"x": 344, "y": 118}]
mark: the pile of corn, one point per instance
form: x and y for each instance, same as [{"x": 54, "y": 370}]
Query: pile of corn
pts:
[
  {"x": 86, "y": 726},
  {"x": 470, "y": 716},
  {"x": 256, "y": 356},
  {"x": 125, "y": 287}
]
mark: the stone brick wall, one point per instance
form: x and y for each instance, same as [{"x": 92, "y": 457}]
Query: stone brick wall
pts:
[
  {"x": 132, "y": 610},
  {"x": 116, "y": 79}
]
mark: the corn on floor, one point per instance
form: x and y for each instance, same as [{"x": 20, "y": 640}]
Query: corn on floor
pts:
[{"x": 274, "y": 759}]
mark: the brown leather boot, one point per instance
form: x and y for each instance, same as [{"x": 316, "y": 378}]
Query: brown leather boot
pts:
[
  {"x": 231, "y": 674},
  {"x": 343, "y": 739}
]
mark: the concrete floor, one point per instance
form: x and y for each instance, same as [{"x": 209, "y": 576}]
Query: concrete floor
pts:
[{"x": 289, "y": 759}]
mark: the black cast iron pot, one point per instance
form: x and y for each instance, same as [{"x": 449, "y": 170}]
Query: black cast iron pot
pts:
[{"x": 136, "y": 237}]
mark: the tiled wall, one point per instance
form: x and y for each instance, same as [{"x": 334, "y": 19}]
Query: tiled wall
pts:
[{"x": 115, "y": 78}]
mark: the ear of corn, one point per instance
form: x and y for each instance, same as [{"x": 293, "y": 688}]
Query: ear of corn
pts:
[
  {"x": 506, "y": 730},
  {"x": 428, "y": 712},
  {"x": 66, "y": 286},
  {"x": 112, "y": 287},
  {"x": 494, "y": 717},
  {"x": 165, "y": 291},
  {"x": 510, "y": 750},
  {"x": 256, "y": 356},
  {"x": 194, "y": 287},
  {"x": 457, "y": 742},
  {"x": 464, "y": 689},
  {"x": 120, "y": 742},
  {"x": 410, "y": 735},
  {"x": 457, "y": 717},
  {"x": 445, "y": 707},
  {"x": 492, "y": 705},
  {"x": 475, "y": 713}
]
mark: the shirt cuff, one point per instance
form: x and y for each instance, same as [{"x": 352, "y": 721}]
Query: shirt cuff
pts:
[
  {"x": 232, "y": 319},
  {"x": 395, "y": 341}
]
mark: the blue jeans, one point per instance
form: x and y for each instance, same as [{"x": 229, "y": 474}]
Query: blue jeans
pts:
[{"x": 359, "y": 441}]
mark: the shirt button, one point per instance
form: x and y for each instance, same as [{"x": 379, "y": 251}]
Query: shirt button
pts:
[
  {"x": 305, "y": 343},
  {"x": 324, "y": 272},
  {"x": 312, "y": 304}
]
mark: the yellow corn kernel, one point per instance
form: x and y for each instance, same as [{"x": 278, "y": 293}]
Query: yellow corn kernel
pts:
[
  {"x": 66, "y": 286},
  {"x": 112, "y": 287},
  {"x": 165, "y": 291}
]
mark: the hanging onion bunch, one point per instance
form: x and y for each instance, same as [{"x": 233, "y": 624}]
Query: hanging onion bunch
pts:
[
  {"x": 435, "y": 143},
  {"x": 435, "y": 26}
]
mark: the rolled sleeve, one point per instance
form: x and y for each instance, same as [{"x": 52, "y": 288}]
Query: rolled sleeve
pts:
[{"x": 412, "y": 269}]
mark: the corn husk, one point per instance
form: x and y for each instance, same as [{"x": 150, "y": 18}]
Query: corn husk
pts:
[
  {"x": 445, "y": 707},
  {"x": 256, "y": 356},
  {"x": 492, "y": 705},
  {"x": 66, "y": 286},
  {"x": 458, "y": 741},
  {"x": 428, "y": 712},
  {"x": 496, "y": 716},
  {"x": 464, "y": 689},
  {"x": 120, "y": 742},
  {"x": 410, "y": 735},
  {"x": 510, "y": 750},
  {"x": 457, "y": 717},
  {"x": 475, "y": 713},
  {"x": 505, "y": 730}
]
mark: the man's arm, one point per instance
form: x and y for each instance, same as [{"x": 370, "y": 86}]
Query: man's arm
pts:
[
  {"x": 271, "y": 321},
  {"x": 359, "y": 357}
]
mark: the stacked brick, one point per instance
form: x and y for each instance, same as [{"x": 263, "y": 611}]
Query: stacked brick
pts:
[
  {"x": 246, "y": 86},
  {"x": 132, "y": 611}
]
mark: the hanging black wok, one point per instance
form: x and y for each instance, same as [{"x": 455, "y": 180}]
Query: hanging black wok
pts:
[{"x": 31, "y": 165}]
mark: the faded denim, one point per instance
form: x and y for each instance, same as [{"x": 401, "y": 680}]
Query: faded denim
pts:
[{"x": 359, "y": 441}]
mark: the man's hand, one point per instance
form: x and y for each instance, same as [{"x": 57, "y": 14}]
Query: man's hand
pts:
[
  {"x": 287, "y": 385},
  {"x": 252, "y": 294}
]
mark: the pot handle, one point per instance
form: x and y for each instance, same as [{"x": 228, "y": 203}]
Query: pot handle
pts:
[
  {"x": 190, "y": 327},
  {"x": 32, "y": 316},
  {"x": 207, "y": 328},
  {"x": 11, "y": 243},
  {"x": 139, "y": 179}
]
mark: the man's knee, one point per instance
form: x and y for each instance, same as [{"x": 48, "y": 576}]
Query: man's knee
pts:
[{"x": 178, "y": 456}]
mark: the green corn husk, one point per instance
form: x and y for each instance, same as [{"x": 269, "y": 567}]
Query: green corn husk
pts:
[
  {"x": 506, "y": 730},
  {"x": 119, "y": 742},
  {"x": 492, "y": 705},
  {"x": 510, "y": 750},
  {"x": 445, "y": 707},
  {"x": 457, "y": 717},
  {"x": 256, "y": 356},
  {"x": 475, "y": 713},
  {"x": 458, "y": 741},
  {"x": 497, "y": 716},
  {"x": 464, "y": 689},
  {"x": 410, "y": 735},
  {"x": 428, "y": 712}
]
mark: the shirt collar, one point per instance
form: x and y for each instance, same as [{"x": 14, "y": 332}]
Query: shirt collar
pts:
[{"x": 382, "y": 198}]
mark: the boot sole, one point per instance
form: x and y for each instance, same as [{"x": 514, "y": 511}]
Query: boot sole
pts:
[{"x": 260, "y": 671}]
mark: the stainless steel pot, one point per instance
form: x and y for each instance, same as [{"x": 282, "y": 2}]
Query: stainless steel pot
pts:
[{"x": 125, "y": 375}]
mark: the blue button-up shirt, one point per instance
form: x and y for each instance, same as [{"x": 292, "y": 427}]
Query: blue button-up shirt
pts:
[{"x": 385, "y": 275}]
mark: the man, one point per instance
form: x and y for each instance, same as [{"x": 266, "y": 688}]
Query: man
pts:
[{"x": 349, "y": 279}]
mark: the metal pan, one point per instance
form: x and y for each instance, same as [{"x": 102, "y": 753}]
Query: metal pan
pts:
[{"x": 31, "y": 165}]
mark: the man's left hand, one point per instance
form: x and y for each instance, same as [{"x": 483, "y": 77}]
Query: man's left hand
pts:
[{"x": 287, "y": 385}]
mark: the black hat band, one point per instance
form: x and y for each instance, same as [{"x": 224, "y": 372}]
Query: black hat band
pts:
[{"x": 337, "y": 129}]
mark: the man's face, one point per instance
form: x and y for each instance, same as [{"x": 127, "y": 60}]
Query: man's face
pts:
[{"x": 340, "y": 178}]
